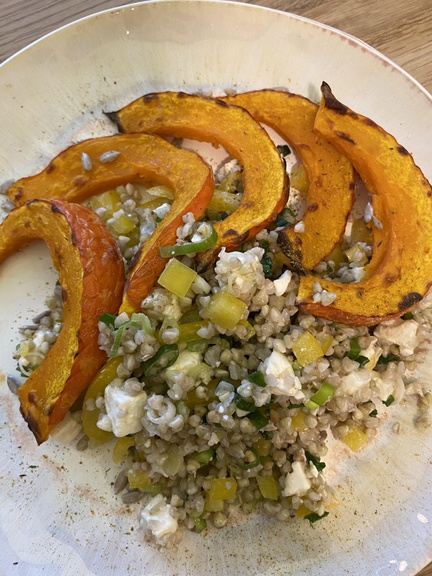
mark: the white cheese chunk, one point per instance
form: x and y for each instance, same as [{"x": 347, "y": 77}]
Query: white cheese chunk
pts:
[
  {"x": 279, "y": 376},
  {"x": 404, "y": 333},
  {"x": 157, "y": 518},
  {"x": 281, "y": 284},
  {"x": 123, "y": 411},
  {"x": 296, "y": 482}
]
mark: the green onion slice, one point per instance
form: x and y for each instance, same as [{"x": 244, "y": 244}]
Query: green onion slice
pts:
[
  {"x": 164, "y": 357},
  {"x": 320, "y": 397},
  {"x": 139, "y": 321},
  {"x": 190, "y": 247}
]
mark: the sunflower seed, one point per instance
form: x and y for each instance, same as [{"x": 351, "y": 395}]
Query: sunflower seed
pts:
[
  {"x": 120, "y": 482},
  {"x": 13, "y": 384},
  {"x": 109, "y": 156},
  {"x": 5, "y": 186},
  {"x": 86, "y": 162},
  {"x": 132, "y": 496},
  {"x": 82, "y": 443}
]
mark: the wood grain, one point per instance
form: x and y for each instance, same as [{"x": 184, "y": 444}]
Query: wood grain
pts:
[{"x": 400, "y": 29}]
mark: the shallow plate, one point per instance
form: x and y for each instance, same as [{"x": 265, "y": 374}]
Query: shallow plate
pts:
[{"x": 57, "y": 512}]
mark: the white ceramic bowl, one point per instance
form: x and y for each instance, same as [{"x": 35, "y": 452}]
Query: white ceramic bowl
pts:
[{"x": 58, "y": 515}]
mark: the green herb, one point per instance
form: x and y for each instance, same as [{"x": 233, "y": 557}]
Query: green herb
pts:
[
  {"x": 108, "y": 319},
  {"x": 267, "y": 264},
  {"x": 264, "y": 244},
  {"x": 314, "y": 517},
  {"x": 408, "y": 316},
  {"x": 244, "y": 405},
  {"x": 316, "y": 461},
  {"x": 389, "y": 400},
  {"x": 387, "y": 359},
  {"x": 373, "y": 413},
  {"x": 258, "y": 419},
  {"x": 257, "y": 378},
  {"x": 284, "y": 150},
  {"x": 293, "y": 406}
]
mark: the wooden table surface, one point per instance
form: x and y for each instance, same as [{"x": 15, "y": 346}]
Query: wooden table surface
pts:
[{"x": 398, "y": 28}]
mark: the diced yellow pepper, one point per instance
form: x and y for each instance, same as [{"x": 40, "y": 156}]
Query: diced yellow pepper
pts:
[
  {"x": 109, "y": 200},
  {"x": 177, "y": 278},
  {"x": 355, "y": 439},
  {"x": 250, "y": 330},
  {"x": 122, "y": 224},
  {"x": 298, "y": 422},
  {"x": 302, "y": 511},
  {"x": 268, "y": 487},
  {"x": 262, "y": 446},
  {"x": 105, "y": 376},
  {"x": 337, "y": 255},
  {"x": 299, "y": 179},
  {"x": 121, "y": 448},
  {"x": 222, "y": 489},
  {"x": 211, "y": 505},
  {"x": 223, "y": 201},
  {"x": 325, "y": 342},
  {"x": 188, "y": 332},
  {"x": 225, "y": 310},
  {"x": 360, "y": 232},
  {"x": 307, "y": 349},
  {"x": 139, "y": 479},
  {"x": 193, "y": 400}
]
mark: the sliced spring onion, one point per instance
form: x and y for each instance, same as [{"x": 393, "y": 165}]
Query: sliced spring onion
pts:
[
  {"x": 139, "y": 321},
  {"x": 164, "y": 357},
  {"x": 257, "y": 378},
  {"x": 258, "y": 419},
  {"x": 320, "y": 397},
  {"x": 200, "y": 524},
  {"x": 204, "y": 457},
  {"x": 190, "y": 247}
]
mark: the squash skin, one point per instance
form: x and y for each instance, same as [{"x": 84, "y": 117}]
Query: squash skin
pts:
[
  {"x": 91, "y": 274},
  {"x": 143, "y": 158},
  {"x": 400, "y": 270},
  {"x": 330, "y": 174},
  {"x": 265, "y": 181}
]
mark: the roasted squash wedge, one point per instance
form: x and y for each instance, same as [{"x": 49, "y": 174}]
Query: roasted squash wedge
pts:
[
  {"x": 330, "y": 174},
  {"x": 400, "y": 270},
  {"x": 265, "y": 181},
  {"x": 91, "y": 274},
  {"x": 132, "y": 158}
]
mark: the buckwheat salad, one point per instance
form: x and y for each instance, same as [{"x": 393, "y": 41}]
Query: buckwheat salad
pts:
[{"x": 220, "y": 395}]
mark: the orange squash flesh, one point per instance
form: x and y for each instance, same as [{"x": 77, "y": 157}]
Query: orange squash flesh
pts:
[
  {"x": 91, "y": 274},
  {"x": 400, "y": 270},
  {"x": 186, "y": 116},
  {"x": 330, "y": 174},
  {"x": 142, "y": 158}
]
